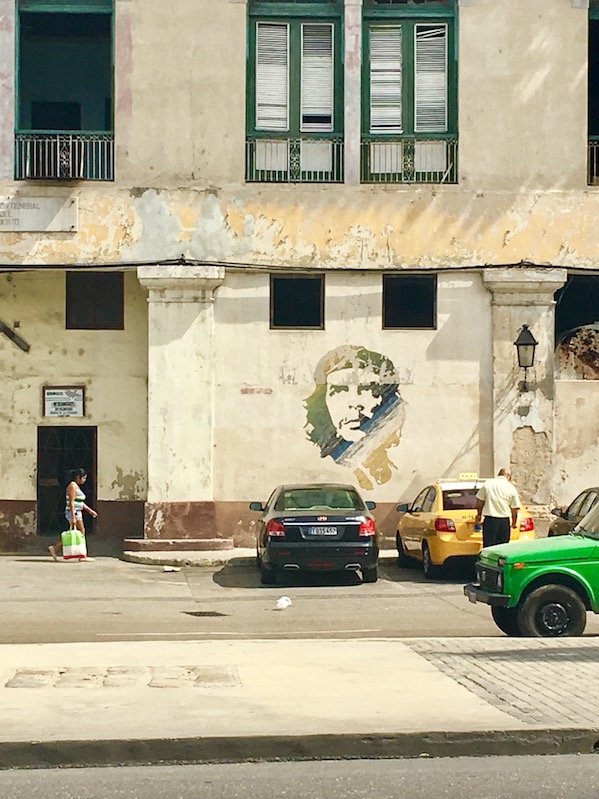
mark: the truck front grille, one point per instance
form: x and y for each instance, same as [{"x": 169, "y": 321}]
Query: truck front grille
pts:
[{"x": 489, "y": 578}]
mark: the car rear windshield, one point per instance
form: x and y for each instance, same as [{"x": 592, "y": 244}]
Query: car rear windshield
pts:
[
  {"x": 309, "y": 498},
  {"x": 460, "y": 499}
]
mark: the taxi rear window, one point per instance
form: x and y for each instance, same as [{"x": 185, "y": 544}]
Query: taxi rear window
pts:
[{"x": 460, "y": 499}]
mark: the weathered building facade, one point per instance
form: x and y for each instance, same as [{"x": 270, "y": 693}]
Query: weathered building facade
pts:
[{"x": 250, "y": 242}]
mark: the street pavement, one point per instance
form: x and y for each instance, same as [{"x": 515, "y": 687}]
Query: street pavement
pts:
[{"x": 102, "y": 703}]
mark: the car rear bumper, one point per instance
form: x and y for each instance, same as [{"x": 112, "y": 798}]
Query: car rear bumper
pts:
[
  {"x": 476, "y": 594},
  {"x": 292, "y": 556}
]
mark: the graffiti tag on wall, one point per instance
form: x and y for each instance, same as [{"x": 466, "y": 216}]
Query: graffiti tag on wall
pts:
[{"x": 355, "y": 413}]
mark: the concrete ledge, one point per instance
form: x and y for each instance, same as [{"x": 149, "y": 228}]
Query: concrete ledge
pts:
[
  {"x": 177, "y": 544},
  {"x": 226, "y": 557},
  {"x": 65, "y": 754}
]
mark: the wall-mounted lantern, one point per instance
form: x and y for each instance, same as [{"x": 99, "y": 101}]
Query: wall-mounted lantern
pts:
[{"x": 525, "y": 346}]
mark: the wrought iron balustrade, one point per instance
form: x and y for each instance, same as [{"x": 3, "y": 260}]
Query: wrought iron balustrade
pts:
[
  {"x": 410, "y": 160},
  {"x": 60, "y": 155},
  {"x": 301, "y": 160},
  {"x": 593, "y": 161}
]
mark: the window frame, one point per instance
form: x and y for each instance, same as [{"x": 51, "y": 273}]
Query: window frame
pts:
[
  {"x": 411, "y": 275},
  {"x": 295, "y": 16},
  {"x": 74, "y": 324},
  {"x": 408, "y": 17},
  {"x": 303, "y": 276}
]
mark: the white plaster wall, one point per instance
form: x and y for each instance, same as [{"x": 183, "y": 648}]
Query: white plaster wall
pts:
[
  {"x": 523, "y": 95},
  {"x": 111, "y": 364},
  {"x": 576, "y": 462},
  {"x": 264, "y": 376},
  {"x": 181, "y": 93}
]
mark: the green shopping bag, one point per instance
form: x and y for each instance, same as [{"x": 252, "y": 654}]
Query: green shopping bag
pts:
[{"x": 73, "y": 544}]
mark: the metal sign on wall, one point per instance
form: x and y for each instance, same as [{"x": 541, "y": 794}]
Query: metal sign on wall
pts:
[
  {"x": 31, "y": 214},
  {"x": 64, "y": 400}
]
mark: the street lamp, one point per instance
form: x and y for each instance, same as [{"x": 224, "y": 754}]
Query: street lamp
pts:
[{"x": 525, "y": 346}]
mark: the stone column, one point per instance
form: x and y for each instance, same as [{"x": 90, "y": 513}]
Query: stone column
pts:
[
  {"x": 7, "y": 89},
  {"x": 180, "y": 502},
  {"x": 353, "y": 91},
  {"x": 523, "y": 422}
]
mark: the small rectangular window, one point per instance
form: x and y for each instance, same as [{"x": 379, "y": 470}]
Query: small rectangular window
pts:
[
  {"x": 297, "y": 301},
  {"x": 410, "y": 301},
  {"x": 95, "y": 301}
]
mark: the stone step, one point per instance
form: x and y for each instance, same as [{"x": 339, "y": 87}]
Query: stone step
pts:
[{"x": 177, "y": 544}]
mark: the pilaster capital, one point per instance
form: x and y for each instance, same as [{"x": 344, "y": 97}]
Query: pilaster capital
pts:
[
  {"x": 524, "y": 286},
  {"x": 180, "y": 283}
]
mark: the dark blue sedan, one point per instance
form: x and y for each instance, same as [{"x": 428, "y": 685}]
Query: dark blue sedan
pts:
[{"x": 316, "y": 526}]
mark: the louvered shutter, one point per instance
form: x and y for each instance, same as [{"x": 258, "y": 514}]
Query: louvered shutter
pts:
[
  {"x": 317, "y": 77},
  {"x": 386, "y": 79},
  {"x": 431, "y": 79},
  {"x": 272, "y": 76}
]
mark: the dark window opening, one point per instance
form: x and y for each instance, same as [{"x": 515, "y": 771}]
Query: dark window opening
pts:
[
  {"x": 410, "y": 301},
  {"x": 65, "y": 71},
  {"x": 296, "y": 302},
  {"x": 577, "y": 304},
  {"x": 95, "y": 301},
  {"x": 593, "y": 78}
]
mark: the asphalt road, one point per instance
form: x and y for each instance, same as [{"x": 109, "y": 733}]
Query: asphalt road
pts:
[
  {"x": 561, "y": 777},
  {"x": 111, "y": 600}
]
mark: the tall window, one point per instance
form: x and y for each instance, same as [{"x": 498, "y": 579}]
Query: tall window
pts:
[
  {"x": 409, "y": 120},
  {"x": 65, "y": 90},
  {"x": 295, "y": 112},
  {"x": 593, "y": 94}
]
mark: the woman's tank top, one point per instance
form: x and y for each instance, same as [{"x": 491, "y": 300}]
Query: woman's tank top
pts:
[{"x": 79, "y": 500}]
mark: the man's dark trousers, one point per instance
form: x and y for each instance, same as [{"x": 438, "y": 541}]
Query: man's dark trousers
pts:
[{"x": 496, "y": 530}]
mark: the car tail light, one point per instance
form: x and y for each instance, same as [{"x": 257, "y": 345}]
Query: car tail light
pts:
[
  {"x": 444, "y": 526},
  {"x": 526, "y": 525},
  {"x": 367, "y": 527},
  {"x": 275, "y": 529}
]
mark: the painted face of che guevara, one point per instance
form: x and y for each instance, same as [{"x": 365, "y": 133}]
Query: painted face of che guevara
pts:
[{"x": 352, "y": 399}]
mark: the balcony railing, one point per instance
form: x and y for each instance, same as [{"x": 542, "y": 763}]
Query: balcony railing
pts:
[
  {"x": 59, "y": 155},
  {"x": 410, "y": 160},
  {"x": 305, "y": 160},
  {"x": 593, "y": 161}
]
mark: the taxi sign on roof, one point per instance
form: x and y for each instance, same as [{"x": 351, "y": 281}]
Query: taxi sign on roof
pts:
[{"x": 468, "y": 476}]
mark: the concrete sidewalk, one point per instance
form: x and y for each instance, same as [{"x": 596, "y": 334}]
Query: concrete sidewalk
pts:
[{"x": 109, "y": 703}]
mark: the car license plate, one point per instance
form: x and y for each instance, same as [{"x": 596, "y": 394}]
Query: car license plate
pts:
[{"x": 322, "y": 531}]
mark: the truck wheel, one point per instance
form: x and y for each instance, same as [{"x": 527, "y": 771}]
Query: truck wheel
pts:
[
  {"x": 431, "y": 572},
  {"x": 404, "y": 561},
  {"x": 506, "y": 620},
  {"x": 552, "y": 610},
  {"x": 267, "y": 576},
  {"x": 370, "y": 575}
]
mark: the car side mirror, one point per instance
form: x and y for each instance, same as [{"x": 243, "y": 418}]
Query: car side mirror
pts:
[
  {"x": 557, "y": 512},
  {"x": 371, "y": 505},
  {"x": 403, "y": 507},
  {"x": 256, "y": 506}
]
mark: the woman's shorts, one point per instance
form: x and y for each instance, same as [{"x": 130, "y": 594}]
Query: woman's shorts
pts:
[{"x": 78, "y": 516}]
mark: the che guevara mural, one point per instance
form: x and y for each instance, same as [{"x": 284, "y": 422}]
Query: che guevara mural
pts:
[{"x": 355, "y": 413}]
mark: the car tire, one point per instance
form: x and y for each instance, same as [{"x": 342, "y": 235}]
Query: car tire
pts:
[
  {"x": 507, "y": 620},
  {"x": 552, "y": 611},
  {"x": 267, "y": 576},
  {"x": 403, "y": 559},
  {"x": 431, "y": 572},
  {"x": 370, "y": 575}
]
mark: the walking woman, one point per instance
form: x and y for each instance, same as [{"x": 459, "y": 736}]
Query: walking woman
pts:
[{"x": 75, "y": 505}]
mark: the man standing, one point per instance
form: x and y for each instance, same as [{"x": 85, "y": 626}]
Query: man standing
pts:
[{"x": 498, "y": 501}]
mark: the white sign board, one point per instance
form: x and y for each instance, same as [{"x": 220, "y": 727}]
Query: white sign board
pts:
[
  {"x": 64, "y": 401},
  {"x": 38, "y": 214}
]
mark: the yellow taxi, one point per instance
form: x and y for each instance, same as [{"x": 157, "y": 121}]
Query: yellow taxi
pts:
[{"x": 439, "y": 524}]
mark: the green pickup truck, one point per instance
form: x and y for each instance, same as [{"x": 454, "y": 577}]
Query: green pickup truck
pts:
[{"x": 543, "y": 587}]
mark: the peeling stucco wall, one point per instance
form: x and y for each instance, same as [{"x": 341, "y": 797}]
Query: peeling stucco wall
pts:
[{"x": 531, "y": 464}]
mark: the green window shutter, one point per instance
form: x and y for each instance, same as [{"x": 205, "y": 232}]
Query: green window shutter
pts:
[
  {"x": 386, "y": 79},
  {"x": 431, "y": 78},
  {"x": 272, "y": 76},
  {"x": 317, "y": 78},
  {"x": 66, "y": 6}
]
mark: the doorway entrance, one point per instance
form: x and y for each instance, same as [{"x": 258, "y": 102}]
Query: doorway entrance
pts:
[{"x": 59, "y": 450}]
